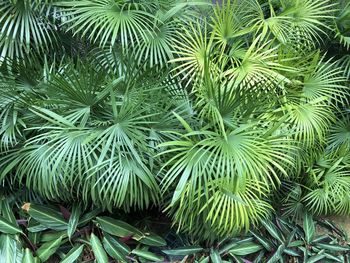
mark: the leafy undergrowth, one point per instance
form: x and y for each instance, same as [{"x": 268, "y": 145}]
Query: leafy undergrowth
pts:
[{"x": 54, "y": 233}]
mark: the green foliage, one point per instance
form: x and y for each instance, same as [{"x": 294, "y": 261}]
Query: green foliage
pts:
[
  {"x": 278, "y": 240},
  {"x": 52, "y": 237},
  {"x": 91, "y": 142},
  {"x": 216, "y": 113},
  {"x": 28, "y": 29},
  {"x": 43, "y": 233}
]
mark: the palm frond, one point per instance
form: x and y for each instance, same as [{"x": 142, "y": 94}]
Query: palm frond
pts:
[
  {"x": 342, "y": 25},
  {"x": 344, "y": 63},
  {"x": 329, "y": 181},
  {"x": 309, "y": 122},
  {"x": 192, "y": 50},
  {"x": 258, "y": 68},
  {"x": 339, "y": 137},
  {"x": 201, "y": 158},
  {"x": 157, "y": 46},
  {"x": 326, "y": 80},
  {"x": 25, "y": 29},
  {"x": 108, "y": 22},
  {"x": 229, "y": 209}
]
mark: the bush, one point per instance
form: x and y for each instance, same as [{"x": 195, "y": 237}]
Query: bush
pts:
[{"x": 218, "y": 114}]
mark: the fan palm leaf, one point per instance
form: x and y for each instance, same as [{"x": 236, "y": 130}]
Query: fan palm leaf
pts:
[
  {"x": 201, "y": 158},
  {"x": 157, "y": 45},
  {"x": 326, "y": 80},
  {"x": 342, "y": 25},
  {"x": 258, "y": 69},
  {"x": 227, "y": 24},
  {"x": 329, "y": 183},
  {"x": 344, "y": 63},
  {"x": 25, "y": 29},
  {"x": 309, "y": 122},
  {"x": 230, "y": 209},
  {"x": 339, "y": 137},
  {"x": 94, "y": 139},
  {"x": 293, "y": 23},
  {"x": 109, "y": 21},
  {"x": 192, "y": 50}
]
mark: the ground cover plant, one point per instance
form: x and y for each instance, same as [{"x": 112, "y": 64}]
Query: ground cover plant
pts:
[
  {"x": 217, "y": 114},
  {"x": 50, "y": 233}
]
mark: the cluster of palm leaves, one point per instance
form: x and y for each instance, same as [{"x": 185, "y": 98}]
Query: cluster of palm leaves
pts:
[{"x": 207, "y": 110}]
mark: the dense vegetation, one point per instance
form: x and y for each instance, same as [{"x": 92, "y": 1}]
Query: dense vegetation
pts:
[
  {"x": 46, "y": 233},
  {"x": 219, "y": 115}
]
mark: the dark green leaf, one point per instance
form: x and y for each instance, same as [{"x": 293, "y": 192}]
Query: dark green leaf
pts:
[
  {"x": 121, "y": 246},
  {"x": 215, "y": 256},
  {"x": 52, "y": 235},
  {"x": 99, "y": 252},
  {"x": 263, "y": 241},
  {"x": 34, "y": 237},
  {"x": 10, "y": 249},
  {"x": 277, "y": 255},
  {"x": 331, "y": 226},
  {"x": 7, "y": 212},
  {"x": 316, "y": 258},
  {"x": 73, "y": 254},
  {"x": 28, "y": 256},
  {"x": 247, "y": 248},
  {"x": 73, "y": 220},
  {"x": 291, "y": 252},
  {"x": 88, "y": 217},
  {"x": 321, "y": 238},
  {"x": 237, "y": 259},
  {"x": 296, "y": 243},
  {"x": 260, "y": 257},
  {"x": 272, "y": 229},
  {"x": 233, "y": 243},
  {"x": 183, "y": 251},
  {"x": 334, "y": 248},
  {"x": 46, "y": 216},
  {"x": 48, "y": 249},
  {"x": 309, "y": 227},
  {"x": 114, "y": 248},
  {"x": 8, "y": 227},
  {"x": 334, "y": 258},
  {"x": 118, "y": 228},
  {"x": 147, "y": 255},
  {"x": 153, "y": 240},
  {"x": 204, "y": 259},
  {"x": 37, "y": 228}
]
